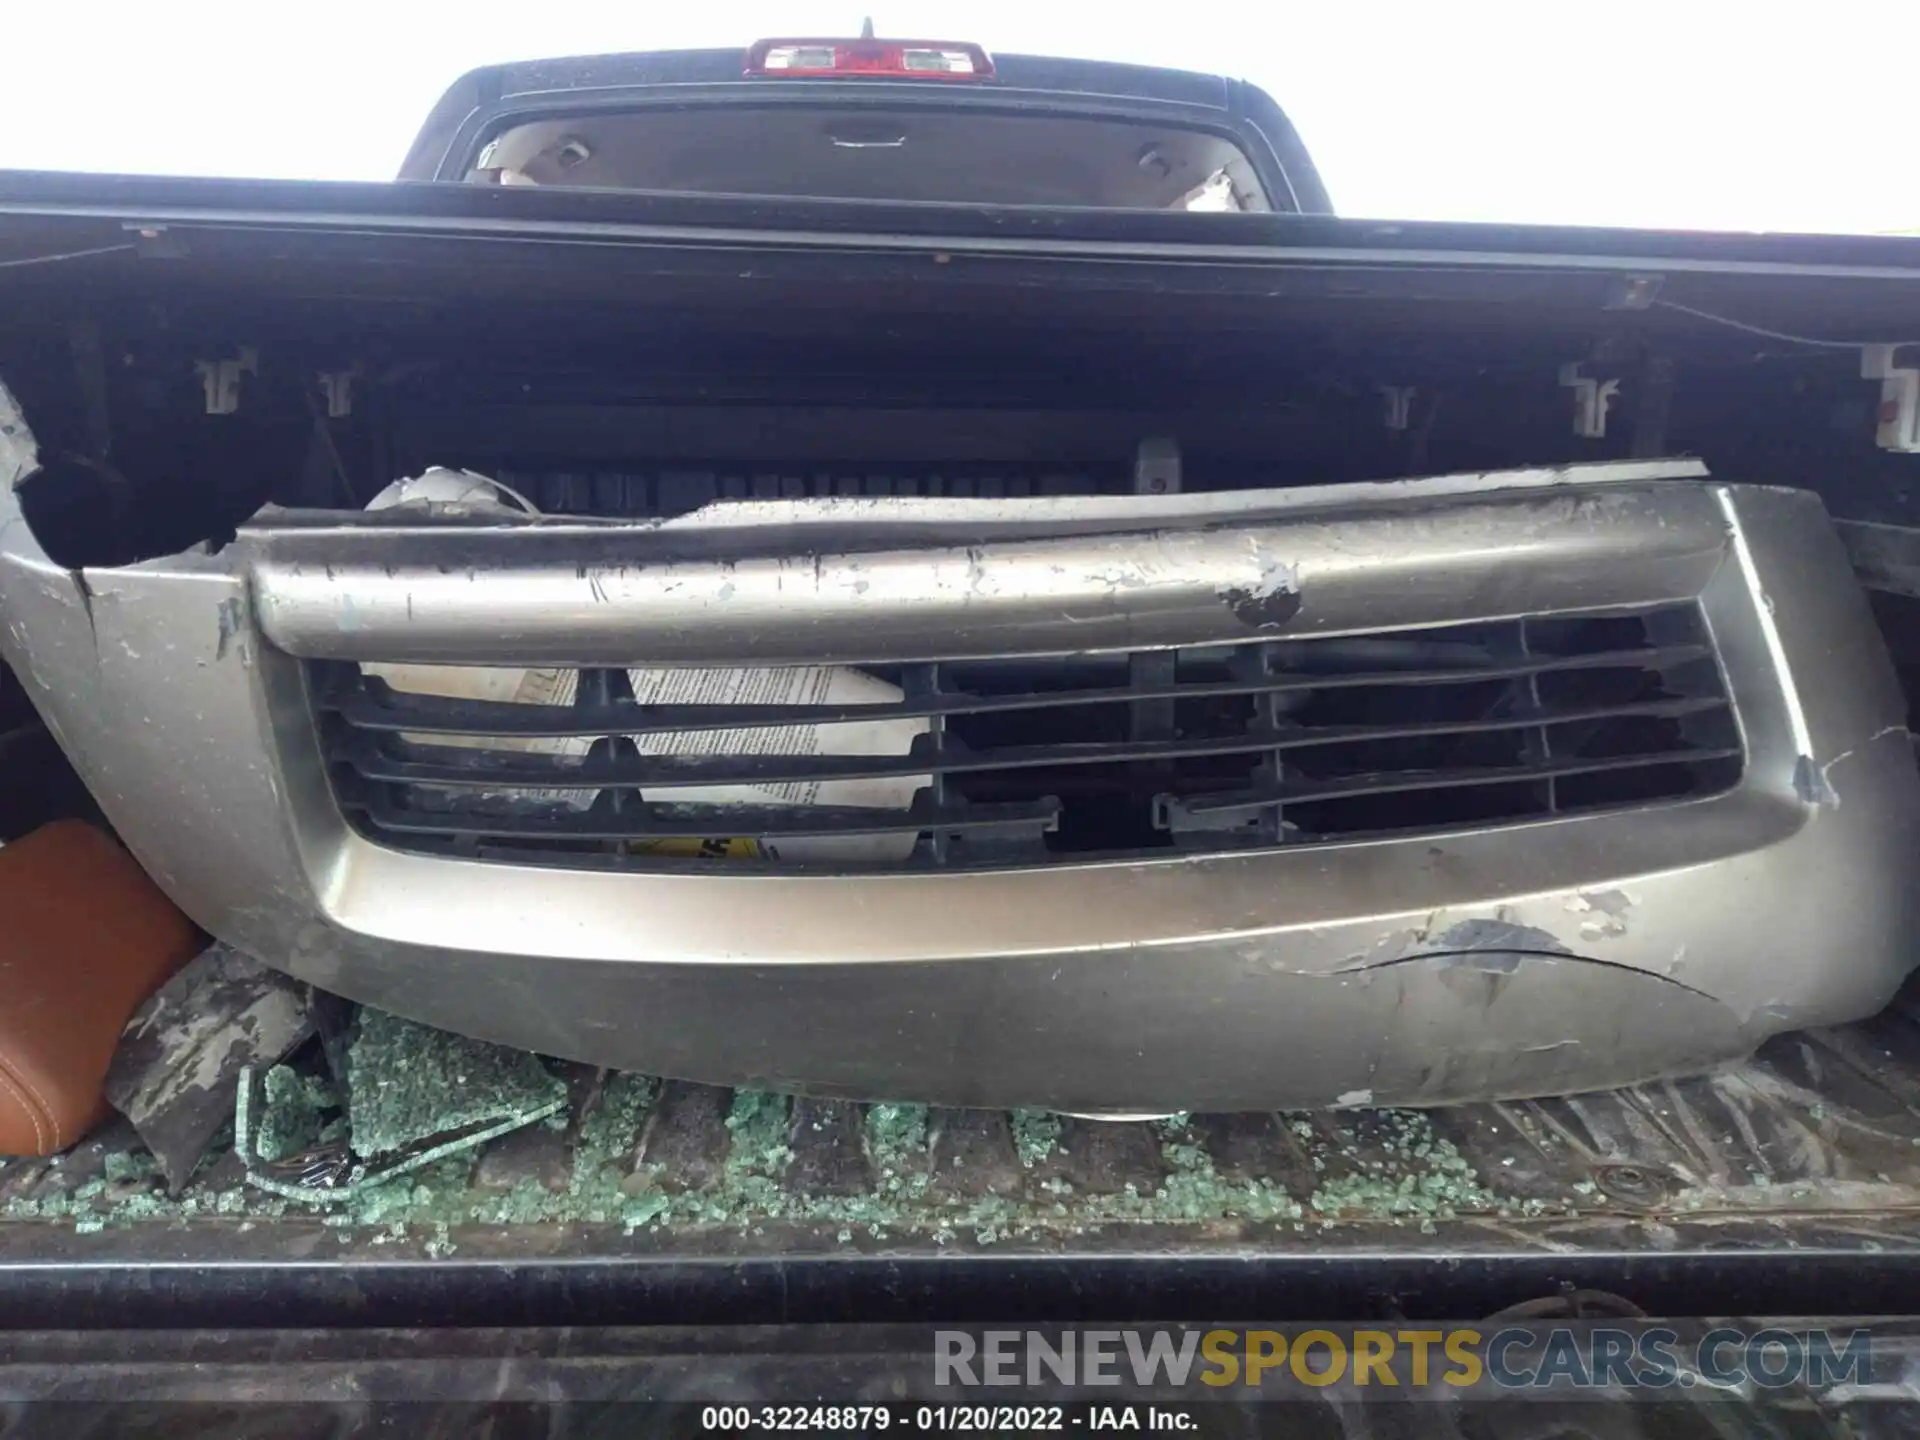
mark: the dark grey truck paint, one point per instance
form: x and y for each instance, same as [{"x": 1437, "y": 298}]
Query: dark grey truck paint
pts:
[{"x": 481, "y": 103}]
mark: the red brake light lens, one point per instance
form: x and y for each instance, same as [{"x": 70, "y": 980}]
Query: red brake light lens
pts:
[{"x": 891, "y": 59}]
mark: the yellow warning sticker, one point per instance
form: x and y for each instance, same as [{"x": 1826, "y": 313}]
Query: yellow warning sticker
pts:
[{"x": 738, "y": 848}]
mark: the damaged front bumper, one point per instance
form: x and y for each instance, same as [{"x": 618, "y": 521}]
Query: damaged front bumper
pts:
[{"x": 1567, "y": 953}]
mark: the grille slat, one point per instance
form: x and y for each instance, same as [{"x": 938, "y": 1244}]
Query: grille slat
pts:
[
  {"x": 1021, "y": 760},
  {"x": 442, "y": 766},
  {"x": 368, "y": 703},
  {"x": 1396, "y": 782},
  {"x": 668, "y": 821}
]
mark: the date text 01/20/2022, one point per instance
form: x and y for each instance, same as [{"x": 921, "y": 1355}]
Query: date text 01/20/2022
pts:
[{"x": 976, "y": 1418}]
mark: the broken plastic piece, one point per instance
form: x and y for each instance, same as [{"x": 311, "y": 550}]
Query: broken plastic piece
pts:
[
  {"x": 179, "y": 1062},
  {"x": 1898, "y": 427}
]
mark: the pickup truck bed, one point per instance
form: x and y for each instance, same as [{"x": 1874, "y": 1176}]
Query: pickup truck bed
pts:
[
  {"x": 1783, "y": 1184},
  {"x": 1790, "y": 1182}
]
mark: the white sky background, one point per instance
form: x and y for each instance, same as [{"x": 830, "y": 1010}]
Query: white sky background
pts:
[{"x": 1691, "y": 113}]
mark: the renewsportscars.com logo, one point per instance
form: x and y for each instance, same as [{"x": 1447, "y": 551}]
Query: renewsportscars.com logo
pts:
[{"x": 1611, "y": 1357}]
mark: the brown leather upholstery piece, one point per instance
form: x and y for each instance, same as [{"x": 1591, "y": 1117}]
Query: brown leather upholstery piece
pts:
[{"x": 85, "y": 936}]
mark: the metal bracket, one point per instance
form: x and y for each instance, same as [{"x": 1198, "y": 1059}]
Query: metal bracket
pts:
[
  {"x": 1898, "y": 429},
  {"x": 1592, "y": 399},
  {"x": 1399, "y": 400},
  {"x": 220, "y": 379},
  {"x": 337, "y": 388},
  {"x": 1156, "y": 466}
]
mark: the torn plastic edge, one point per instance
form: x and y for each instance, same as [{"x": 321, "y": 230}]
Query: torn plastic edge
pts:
[
  {"x": 1809, "y": 781},
  {"x": 1270, "y": 605},
  {"x": 19, "y": 450},
  {"x": 361, "y": 1176}
]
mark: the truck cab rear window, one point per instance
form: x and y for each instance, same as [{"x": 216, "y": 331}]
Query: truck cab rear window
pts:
[{"x": 864, "y": 153}]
